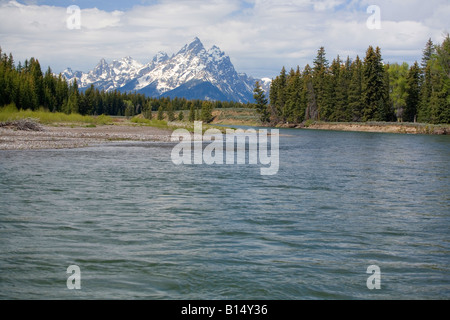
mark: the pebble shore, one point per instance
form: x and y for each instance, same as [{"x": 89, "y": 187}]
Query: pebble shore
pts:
[{"x": 76, "y": 137}]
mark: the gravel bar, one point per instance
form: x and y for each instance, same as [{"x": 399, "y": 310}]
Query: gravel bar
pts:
[{"x": 76, "y": 137}]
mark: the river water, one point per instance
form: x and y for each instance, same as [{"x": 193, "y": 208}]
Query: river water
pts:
[{"x": 140, "y": 227}]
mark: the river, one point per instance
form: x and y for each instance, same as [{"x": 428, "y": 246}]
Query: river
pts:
[{"x": 140, "y": 227}]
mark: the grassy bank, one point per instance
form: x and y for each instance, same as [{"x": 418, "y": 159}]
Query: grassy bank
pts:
[
  {"x": 10, "y": 113},
  {"x": 242, "y": 116}
]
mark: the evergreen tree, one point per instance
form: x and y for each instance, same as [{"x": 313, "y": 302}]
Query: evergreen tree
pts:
[
  {"x": 320, "y": 78},
  {"x": 342, "y": 109},
  {"x": 261, "y": 103},
  {"x": 170, "y": 113},
  {"x": 374, "y": 91},
  {"x": 36, "y": 73},
  {"x": 50, "y": 91},
  {"x": 191, "y": 117},
  {"x": 28, "y": 98},
  {"x": 181, "y": 116},
  {"x": 312, "y": 109},
  {"x": 278, "y": 95},
  {"x": 386, "y": 111},
  {"x": 147, "y": 110},
  {"x": 206, "y": 112},
  {"x": 295, "y": 107},
  {"x": 86, "y": 103},
  {"x": 428, "y": 53},
  {"x": 439, "y": 104},
  {"x": 424, "y": 112},
  {"x": 160, "y": 115},
  {"x": 355, "y": 101},
  {"x": 330, "y": 108},
  {"x": 197, "y": 114},
  {"x": 412, "y": 94}
]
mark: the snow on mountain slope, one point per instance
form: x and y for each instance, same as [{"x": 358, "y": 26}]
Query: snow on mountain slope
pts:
[{"x": 164, "y": 74}]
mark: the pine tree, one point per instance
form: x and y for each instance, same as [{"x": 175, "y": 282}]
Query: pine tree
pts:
[
  {"x": 374, "y": 90},
  {"x": 428, "y": 53},
  {"x": 320, "y": 78},
  {"x": 440, "y": 82},
  {"x": 412, "y": 94},
  {"x": 197, "y": 114},
  {"x": 36, "y": 73},
  {"x": 330, "y": 110},
  {"x": 191, "y": 112},
  {"x": 170, "y": 113},
  {"x": 50, "y": 91},
  {"x": 312, "y": 109},
  {"x": 160, "y": 115},
  {"x": 278, "y": 95},
  {"x": 147, "y": 110},
  {"x": 424, "y": 112},
  {"x": 73, "y": 101},
  {"x": 261, "y": 103},
  {"x": 206, "y": 112},
  {"x": 273, "y": 93},
  {"x": 386, "y": 107},
  {"x": 342, "y": 102},
  {"x": 28, "y": 98},
  {"x": 295, "y": 105}
]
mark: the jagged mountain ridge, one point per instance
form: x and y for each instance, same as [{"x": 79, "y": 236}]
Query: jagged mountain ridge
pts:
[{"x": 192, "y": 73}]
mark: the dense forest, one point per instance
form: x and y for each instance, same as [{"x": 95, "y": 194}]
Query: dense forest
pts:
[
  {"x": 27, "y": 87},
  {"x": 361, "y": 90}
]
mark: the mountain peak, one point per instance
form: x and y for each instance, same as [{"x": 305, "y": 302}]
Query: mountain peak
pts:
[
  {"x": 196, "y": 46},
  {"x": 194, "y": 73},
  {"x": 160, "y": 57},
  {"x": 196, "y": 40}
]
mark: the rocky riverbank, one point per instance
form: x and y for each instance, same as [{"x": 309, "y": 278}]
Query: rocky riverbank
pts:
[{"x": 57, "y": 137}]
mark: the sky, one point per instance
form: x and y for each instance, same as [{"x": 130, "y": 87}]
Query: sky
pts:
[{"x": 260, "y": 36}]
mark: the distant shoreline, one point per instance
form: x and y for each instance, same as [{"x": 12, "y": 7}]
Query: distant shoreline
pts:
[
  {"x": 382, "y": 127},
  {"x": 249, "y": 117}
]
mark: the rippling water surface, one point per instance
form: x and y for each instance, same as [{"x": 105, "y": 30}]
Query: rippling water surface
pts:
[{"x": 140, "y": 227}]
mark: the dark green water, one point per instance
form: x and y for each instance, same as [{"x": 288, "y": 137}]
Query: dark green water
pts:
[{"x": 140, "y": 227}]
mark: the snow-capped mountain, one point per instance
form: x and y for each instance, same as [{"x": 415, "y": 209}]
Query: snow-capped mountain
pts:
[
  {"x": 192, "y": 73},
  {"x": 107, "y": 76}
]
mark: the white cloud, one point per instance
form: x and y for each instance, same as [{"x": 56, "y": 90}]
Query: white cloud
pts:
[
  {"x": 323, "y": 5},
  {"x": 259, "y": 35}
]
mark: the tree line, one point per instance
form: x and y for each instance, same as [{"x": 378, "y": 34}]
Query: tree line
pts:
[
  {"x": 27, "y": 87},
  {"x": 361, "y": 90}
]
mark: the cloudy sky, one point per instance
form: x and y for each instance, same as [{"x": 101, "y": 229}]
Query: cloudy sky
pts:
[{"x": 260, "y": 36}]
